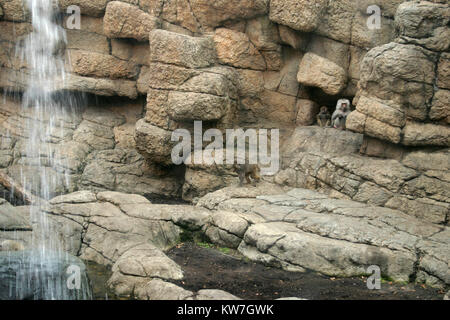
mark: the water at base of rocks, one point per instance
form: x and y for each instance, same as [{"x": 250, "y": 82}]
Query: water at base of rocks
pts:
[{"x": 25, "y": 275}]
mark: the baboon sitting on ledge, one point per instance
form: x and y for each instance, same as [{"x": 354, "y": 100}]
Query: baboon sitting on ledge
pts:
[
  {"x": 324, "y": 117},
  {"x": 247, "y": 171}
]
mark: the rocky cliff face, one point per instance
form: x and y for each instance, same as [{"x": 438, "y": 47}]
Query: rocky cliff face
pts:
[{"x": 258, "y": 64}]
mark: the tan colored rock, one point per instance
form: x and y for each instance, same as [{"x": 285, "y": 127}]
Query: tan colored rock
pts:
[
  {"x": 157, "y": 289},
  {"x": 356, "y": 58},
  {"x": 319, "y": 72},
  {"x": 440, "y": 108},
  {"x": 382, "y": 111},
  {"x": 94, "y": 64},
  {"x": 15, "y": 10},
  {"x": 337, "y": 20},
  {"x": 401, "y": 73},
  {"x": 330, "y": 49},
  {"x": 153, "y": 143},
  {"x": 293, "y": 38},
  {"x": 133, "y": 52},
  {"x": 94, "y": 8},
  {"x": 88, "y": 24},
  {"x": 143, "y": 80},
  {"x": 211, "y": 14},
  {"x": 156, "y": 109},
  {"x": 276, "y": 107},
  {"x": 213, "y": 294},
  {"x": 443, "y": 80},
  {"x": 177, "y": 13},
  {"x": 424, "y": 209},
  {"x": 273, "y": 59},
  {"x": 363, "y": 37},
  {"x": 302, "y": 15},
  {"x": 181, "y": 50},
  {"x": 286, "y": 82},
  {"x": 307, "y": 112},
  {"x": 127, "y": 21},
  {"x": 14, "y": 31},
  {"x": 235, "y": 49},
  {"x": 263, "y": 33},
  {"x": 102, "y": 87},
  {"x": 373, "y": 147},
  {"x": 418, "y": 134},
  {"x": 421, "y": 19},
  {"x": 89, "y": 41},
  {"x": 211, "y": 83},
  {"x": 168, "y": 76},
  {"x": 382, "y": 130},
  {"x": 189, "y": 106},
  {"x": 425, "y": 160},
  {"x": 251, "y": 82},
  {"x": 356, "y": 121}
]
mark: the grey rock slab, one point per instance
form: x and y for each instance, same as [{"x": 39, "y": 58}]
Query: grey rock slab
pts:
[
  {"x": 214, "y": 294},
  {"x": 11, "y": 220},
  {"x": 157, "y": 289}
]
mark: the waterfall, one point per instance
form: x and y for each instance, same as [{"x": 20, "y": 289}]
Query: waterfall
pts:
[{"x": 46, "y": 112}]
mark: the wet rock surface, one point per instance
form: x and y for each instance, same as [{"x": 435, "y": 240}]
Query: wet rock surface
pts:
[{"x": 26, "y": 275}]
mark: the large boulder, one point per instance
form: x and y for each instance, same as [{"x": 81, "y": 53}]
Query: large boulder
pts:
[
  {"x": 123, "y": 20},
  {"x": 92, "y": 64},
  {"x": 316, "y": 71},
  {"x": 211, "y": 14},
  {"x": 300, "y": 15},
  {"x": 178, "y": 49},
  {"x": 424, "y": 23},
  {"x": 153, "y": 142},
  {"x": 235, "y": 49}
]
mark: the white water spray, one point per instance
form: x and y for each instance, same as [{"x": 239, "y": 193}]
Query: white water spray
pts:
[{"x": 45, "y": 112}]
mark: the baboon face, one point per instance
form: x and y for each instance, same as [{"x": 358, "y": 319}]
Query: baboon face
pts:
[{"x": 324, "y": 110}]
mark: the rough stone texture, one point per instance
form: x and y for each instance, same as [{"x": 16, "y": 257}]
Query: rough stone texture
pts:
[
  {"x": 178, "y": 93},
  {"x": 236, "y": 49},
  {"x": 424, "y": 23},
  {"x": 87, "y": 7},
  {"x": 92, "y": 64},
  {"x": 319, "y": 72},
  {"x": 307, "y": 112},
  {"x": 299, "y": 15},
  {"x": 173, "y": 48},
  {"x": 95, "y": 147},
  {"x": 214, "y": 13},
  {"x": 328, "y": 160},
  {"x": 405, "y": 78},
  {"x": 302, "y": 229},
  {"x": 14, "y": 10},
  {"x": 11, "y": 220},
  {"x": 153, "y": 142},
  {"x": 141, "y": 264},
  {"x": 13, "y": 80},
  {"x": 123, "y": 20}
]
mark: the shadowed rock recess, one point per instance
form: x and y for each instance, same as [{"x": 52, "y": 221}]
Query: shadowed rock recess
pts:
[{"x": 377, "y": 193}]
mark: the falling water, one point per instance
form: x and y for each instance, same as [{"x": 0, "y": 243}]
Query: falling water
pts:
[{"x": 45, "y": 113}]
